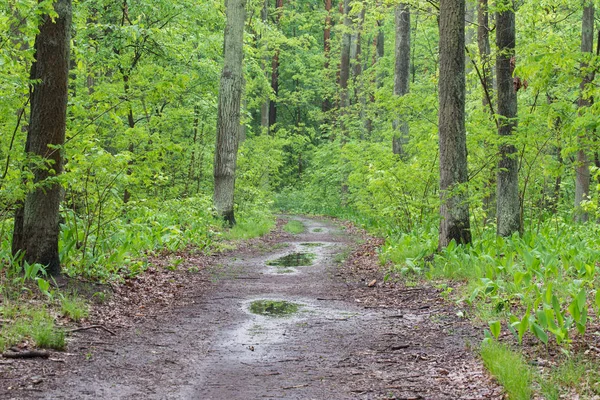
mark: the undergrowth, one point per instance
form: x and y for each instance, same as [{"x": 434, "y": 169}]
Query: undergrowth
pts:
[
  {"x": 295, "y": 227},
  {"x": 509, "y": 368}
]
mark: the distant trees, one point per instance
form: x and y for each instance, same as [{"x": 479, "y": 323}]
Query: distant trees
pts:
[
  {"x": 36, "y": 226},
  {"x": 228, "y": 122},
  {"x": 454, "y": 210}
]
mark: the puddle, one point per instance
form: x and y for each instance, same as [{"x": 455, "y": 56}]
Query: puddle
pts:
[
  {"x": 273, "y": 308},
  {"x": 312, "y": 244},
  {"x": 317, "y": 230},
  {"x": 294, "y": 260}
]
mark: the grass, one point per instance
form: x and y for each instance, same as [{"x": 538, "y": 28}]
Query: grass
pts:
[
  {"x": 74, "y": 308},
  {"x": 249, "y": 229},
  {"x": 294, "y": 227},
  {"x": 509, "y": 368},
  {"x": 30, "y": 322},
  {"x": 574, "y": 377}
]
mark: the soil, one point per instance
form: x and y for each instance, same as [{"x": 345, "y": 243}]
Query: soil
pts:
[{"x": 189, "y": 334}]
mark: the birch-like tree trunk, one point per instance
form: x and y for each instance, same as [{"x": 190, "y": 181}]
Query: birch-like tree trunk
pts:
[
  {"x": 508, "y": 213},
  {"x": 37, "y": 228},
  {"x": 401, "y": 75},
  {"x": 454, "y": 209},
  {"x": 228, "y": 118},
  {"x": 582, "y": 171}
]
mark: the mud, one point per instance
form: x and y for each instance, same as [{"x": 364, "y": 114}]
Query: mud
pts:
[{"x": 341, "y": 343}]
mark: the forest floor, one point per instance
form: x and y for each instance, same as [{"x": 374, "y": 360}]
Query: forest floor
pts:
[{"x": 188, "y": 333}]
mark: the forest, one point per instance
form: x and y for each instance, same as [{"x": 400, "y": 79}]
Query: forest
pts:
[{"x": 463, "y": 133}]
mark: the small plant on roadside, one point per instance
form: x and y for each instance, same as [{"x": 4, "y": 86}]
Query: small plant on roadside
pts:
[{"x": 74, "y": 307}]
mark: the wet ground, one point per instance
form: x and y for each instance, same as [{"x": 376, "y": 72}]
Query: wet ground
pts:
[{"x": 302, "y": 329}]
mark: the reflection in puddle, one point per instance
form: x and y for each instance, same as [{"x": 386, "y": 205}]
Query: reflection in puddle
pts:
[
  {"x": 312, "y": 244},
  {"x": 273, "y": 308},
  {"x": 294, "y": 260}
]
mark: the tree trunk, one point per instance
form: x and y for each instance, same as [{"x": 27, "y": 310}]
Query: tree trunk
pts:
[
  {"x": 275, "y": 74},
  {"x": 401, "y": 75},
  {"x": 228, "y": 117},
  {"x": 582, "y": 172},
  {"x": 508, "y": 213},
  {"x": 356, "y": 52},
  {"x": 454, "y": 210},
  {"x": 37, "y": 227},
  {"x": 487, "y": 82}
]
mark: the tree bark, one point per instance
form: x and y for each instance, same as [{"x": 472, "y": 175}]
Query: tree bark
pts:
[
  {"x": 401, "y": 75},
  {"x": 582, "y": 172},
  {"x": 454, "y": 209},
  {"x": 229, "y": 109},
  {"x": 37, "y": 227},
  {"x": 508, "y": 213}
]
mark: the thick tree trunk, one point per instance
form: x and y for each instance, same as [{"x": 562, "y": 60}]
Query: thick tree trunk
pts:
[
  {"x": 508, "y": 213},
  {"x": 275, "y": 74},
  {"x": 454, "y": 210},
  {"x": 582, "y": 172},
  {"x": 228, "y": 118},
  {"x": 401, "y": 75},
  {"x": 37, "y": 226}
]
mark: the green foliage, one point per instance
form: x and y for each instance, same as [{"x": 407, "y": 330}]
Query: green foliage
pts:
[
  {"x": 509, "y": 368},
  {"x": 74, "y": 308},
  {"x": 295, "y": 227},
  {"x": 35, "y": 323}
]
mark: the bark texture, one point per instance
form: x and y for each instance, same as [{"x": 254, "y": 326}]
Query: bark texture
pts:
[
  {"x": 228, "y": 118},
  {"x": 582, "y": 175},
  {"x": 37, "y": 224},
  {"x": 401, "y": 75},
  {"x": 508, "y": 215},
  {"x": 454, "y": 208}
]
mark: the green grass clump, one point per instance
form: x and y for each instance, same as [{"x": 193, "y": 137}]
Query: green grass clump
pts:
[
  {"x": 250, "y": 228},
  {"x": 33, "y": 322},
  {"x": 509, "y": 368},
  {"x": 294, "y": 227},
  {"x": 574, "y": 375},
  {"x": 74, "y": 308}
]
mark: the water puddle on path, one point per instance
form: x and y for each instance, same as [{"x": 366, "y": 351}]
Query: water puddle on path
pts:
[
  {"x": 294, "y": 260},
  {"x": 312, "y": 244},
  {"x": 274, "y": 308}
]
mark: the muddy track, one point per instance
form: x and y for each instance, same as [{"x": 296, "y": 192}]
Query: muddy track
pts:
[{"x": 342, "y": 343}]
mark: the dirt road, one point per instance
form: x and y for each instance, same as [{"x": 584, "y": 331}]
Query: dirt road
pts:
[{"x": 341, "y": 340}]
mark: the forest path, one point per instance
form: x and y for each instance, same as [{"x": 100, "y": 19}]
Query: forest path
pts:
[{"x": 343, "y": 343}]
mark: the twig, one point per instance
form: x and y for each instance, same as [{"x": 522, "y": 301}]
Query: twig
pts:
[
  {"x": 85, "y": 328},
  {"x": 26, "y": 354}
]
